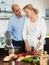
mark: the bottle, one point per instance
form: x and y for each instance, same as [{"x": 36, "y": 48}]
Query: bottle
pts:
[
  {"x": 41, "y": 59},
  {"x": 45, "y": 53},
  {"x": 44, "y": 60}
]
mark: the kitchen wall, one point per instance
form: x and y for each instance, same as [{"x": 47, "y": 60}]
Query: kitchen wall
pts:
[
  {"x": 47, "y": 3},
  {"x": 39, "y": 4},
  {"x": 47, "y": 20},
  {"x": 47, "y": 25},
  {"x": 3, "y": 27}
]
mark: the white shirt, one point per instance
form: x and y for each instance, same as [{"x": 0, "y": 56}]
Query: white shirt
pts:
[{"x": 32, "y": 31}]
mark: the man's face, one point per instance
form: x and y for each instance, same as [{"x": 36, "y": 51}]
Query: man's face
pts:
[{"x": 17, "y": 11}]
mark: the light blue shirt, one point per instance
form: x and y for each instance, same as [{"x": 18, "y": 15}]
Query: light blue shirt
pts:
[{"x": 15, "y": 27}]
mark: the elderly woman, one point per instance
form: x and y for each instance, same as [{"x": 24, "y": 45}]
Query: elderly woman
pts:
[{"x": 34, "y": 30}]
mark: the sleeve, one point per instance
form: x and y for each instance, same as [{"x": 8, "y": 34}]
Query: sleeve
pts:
[
  {"x": 9, "y": 28},
  {"x": 25, "y": 30},
  {"x": 35, "y": 40},
  {"x": 43, "y": 31}
]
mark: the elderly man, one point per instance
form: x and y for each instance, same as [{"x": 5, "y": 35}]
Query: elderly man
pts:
[{"x": 15, "y": 27}]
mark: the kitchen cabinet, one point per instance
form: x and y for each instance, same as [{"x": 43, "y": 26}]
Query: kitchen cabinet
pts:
[
  {"x": 5, "y": 15},
  {"x": 5, "y": 9},
  {"x": 46, "y": 46}
]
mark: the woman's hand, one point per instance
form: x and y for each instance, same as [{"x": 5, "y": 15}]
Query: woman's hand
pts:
[
  {"x": 27, "y": 47},
  {"x": 36, "y": 50},
  {"x": 39, "y": 37}
]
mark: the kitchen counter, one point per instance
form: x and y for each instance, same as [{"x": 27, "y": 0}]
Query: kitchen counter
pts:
[
  {"x": 47, "y": 36},
  {"x": 13, "y": 62}
]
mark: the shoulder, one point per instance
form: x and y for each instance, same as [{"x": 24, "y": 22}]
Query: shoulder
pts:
[
  {"x": 26, "y": 20},
  {"x": 23, "y": 15},
  {"x": 42, "y": 21},
  {"x": 12, "y": 18}
]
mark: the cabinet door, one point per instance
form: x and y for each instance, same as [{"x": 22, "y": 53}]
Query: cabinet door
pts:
[{"x": 46, "y": 46}]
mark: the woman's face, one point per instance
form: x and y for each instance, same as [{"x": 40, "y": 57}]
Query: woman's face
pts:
[{"x": 28, "y": 12}]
